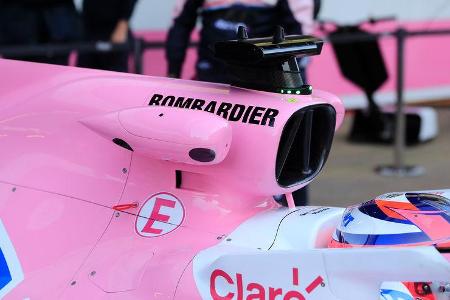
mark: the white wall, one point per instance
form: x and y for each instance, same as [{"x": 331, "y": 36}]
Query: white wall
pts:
[
  {"x": 345, "y": 11},
  {"x": 157, "y": 14},
  {"x": 153, "y": 14}
]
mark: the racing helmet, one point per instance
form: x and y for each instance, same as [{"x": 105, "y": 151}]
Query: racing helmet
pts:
[{"x": 397, "y": 219}]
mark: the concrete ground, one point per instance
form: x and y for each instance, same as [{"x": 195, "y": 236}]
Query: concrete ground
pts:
[{"x": 349, "y": 176}]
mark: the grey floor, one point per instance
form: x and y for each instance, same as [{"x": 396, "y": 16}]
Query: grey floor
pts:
[{"x": 349, "y": 176}]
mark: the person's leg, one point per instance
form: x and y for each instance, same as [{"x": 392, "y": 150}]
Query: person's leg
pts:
[
  {"x": 88, "y": 60},
  {"x": 115, "y": 61}
]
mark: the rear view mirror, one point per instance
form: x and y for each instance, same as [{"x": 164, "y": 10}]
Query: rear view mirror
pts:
[{"x": 166, "y": 133}]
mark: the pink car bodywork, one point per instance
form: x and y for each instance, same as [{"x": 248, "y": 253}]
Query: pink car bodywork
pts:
[
  {"x": 60, "y": 180},
  {"x": 86, "y": 218}
]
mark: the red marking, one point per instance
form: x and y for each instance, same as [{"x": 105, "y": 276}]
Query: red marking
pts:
[
  {"x": 235, "y": 286},
  {"x": 295, "y": 280},
  {"x": 445, "y": 245},
  {"x": 293, "y": 295},
  {"x": 274, "y": 292},
  {"x": 157, "y": 217},
  {"x": 212, "y": 285},
  {"x": 422, "y": 288},
  {"x": 431, "y": 222},
  {"x": 412, "y": 288},
  {"x": 258, "y": 291},
  {"x": 313, "y": 285},
  {"x": 388, "y": 206},
  {"x": 123, "y": 207},
  {"x": 240, "y": 286}
]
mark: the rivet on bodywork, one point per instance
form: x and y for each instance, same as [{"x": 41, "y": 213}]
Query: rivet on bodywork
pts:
[
  {"x": 124, "y": 170},
  {"x": 73, "y": 283},
  {"x": 14, "y": 189}
]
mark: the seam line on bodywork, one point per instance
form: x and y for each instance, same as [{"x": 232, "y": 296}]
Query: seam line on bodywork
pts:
[{"x": 278, "y": 228}]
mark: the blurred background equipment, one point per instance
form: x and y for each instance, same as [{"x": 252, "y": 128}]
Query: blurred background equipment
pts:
[{"x": 362, "y": 62}]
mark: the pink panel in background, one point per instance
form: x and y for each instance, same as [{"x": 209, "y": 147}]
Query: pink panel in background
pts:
[{"x": 155, "y": 60}]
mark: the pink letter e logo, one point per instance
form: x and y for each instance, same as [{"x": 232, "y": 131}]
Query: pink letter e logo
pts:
[{"x": 159, "y": 215}]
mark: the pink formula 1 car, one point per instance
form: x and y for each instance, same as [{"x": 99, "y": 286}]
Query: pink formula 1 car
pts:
[{"x": 118, "y": 186}]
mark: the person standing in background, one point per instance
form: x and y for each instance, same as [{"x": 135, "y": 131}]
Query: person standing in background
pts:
[
  {"x": 35, "y": 22},
  {"x": 106, "y": 20},
  {"x": 220, "y": 21}
]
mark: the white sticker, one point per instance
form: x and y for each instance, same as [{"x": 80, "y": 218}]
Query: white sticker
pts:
[{"x": 161, "y": 214}]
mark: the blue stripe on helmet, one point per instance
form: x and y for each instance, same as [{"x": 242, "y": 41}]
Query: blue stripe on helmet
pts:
[
  {"x": 381, "y": 239},
  {"x": 5, "y": 274}
]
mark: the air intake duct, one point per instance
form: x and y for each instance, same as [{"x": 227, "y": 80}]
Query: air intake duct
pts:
[{"x": 305, "y": 144}]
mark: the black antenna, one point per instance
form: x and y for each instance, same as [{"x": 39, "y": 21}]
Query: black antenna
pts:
[
  {"x": 242, "y": 33},
  {"x": 279, "y": 35},
  {"x": 267, "y": 64}
]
